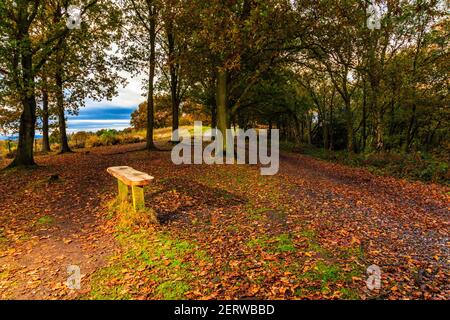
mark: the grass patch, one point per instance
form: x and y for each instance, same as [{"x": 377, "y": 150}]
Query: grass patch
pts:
[
  {"x": 152, "y": 263},
  {"x": 172, "y": 290},
  {"x": 279, "y": 244},
  {"x": 256, "y": 213},
  {"x": 325, "y": 272},
  {"x": 45, "y": 220},
  {"x": 156, "y": 263},
  {"x": 349, "y": 294}
]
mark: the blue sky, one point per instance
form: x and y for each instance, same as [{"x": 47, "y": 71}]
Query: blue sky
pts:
[
  {"x": 114, "y": 114},
  {"x": 93, "y": 118}
]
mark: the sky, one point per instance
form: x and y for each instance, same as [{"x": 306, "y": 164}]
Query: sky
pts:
[{"x": 114, "y": 114}]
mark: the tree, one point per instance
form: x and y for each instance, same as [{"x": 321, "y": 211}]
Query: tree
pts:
[
  {"x": 243, "y": 40},
  {"x": 173, "y": 47},
  {"x": 163, "y": 107},
  {"x": 142, "y": 18},
  {"x": 80, "y": 73},
  {"x": 22, "y": 55}
]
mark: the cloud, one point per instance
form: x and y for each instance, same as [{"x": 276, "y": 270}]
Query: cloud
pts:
[
  {"x": 95, "y": 125},
  {"x": 128, "y": 96},
  {"x": 100, "y": 117},
  {"x": 99, "y": 121},
  {"x": 114, "y": 114}
]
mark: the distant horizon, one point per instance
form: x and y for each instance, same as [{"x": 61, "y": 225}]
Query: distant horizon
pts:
[
  {"x": 93, "y": 119},
  {"x": 105, "y": 114}
]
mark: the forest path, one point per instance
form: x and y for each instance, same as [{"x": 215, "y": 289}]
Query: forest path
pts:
[
  {"x": 46, "y": 225},
  {"x": 403, "y": 227}
]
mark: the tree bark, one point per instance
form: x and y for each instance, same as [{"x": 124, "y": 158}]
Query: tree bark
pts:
[
  {"x": 214, "y": 116},
  {"x": 45, "y": 116},
  {"x": 222, "y": 114},
  {"x": 173, "y": 82},
  {"x": 364, "y": 118},
  {"x": 331, "y": 122},
  {"x": 151, "y": 78},
  {"x": 309, "y": 129},
  {"x": 325, "y": 135},
  {"x": 24, "y": 155},
  {"x": 60, "y": 106},
  {"x": 411, "y": 129},
  {"x": 349, "y": 125}
]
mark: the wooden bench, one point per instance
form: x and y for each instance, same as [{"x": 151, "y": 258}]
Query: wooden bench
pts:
[{"x": 127, "y": 176}]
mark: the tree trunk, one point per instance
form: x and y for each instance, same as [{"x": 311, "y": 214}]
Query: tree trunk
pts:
[
  {"x": 364, "y": 118},
  {"x": 349, "y": 125},
  {"x": 24, "y": 155},
  {"x": 213, "y": 116},
  {"x": 45, "y": 116},
  {"x": 60, "y": 106},
  {"x": 309, "y": 129},
  {"x": 222, "y": 114},
  {"x": 173, "y": 82},
  {"x": 379, "y": 143},
  {"x": 151, "y": 78},
  {"x": 411, "y": 129},
  {"x": 331, "y": 126},
  {"x": 325, "y": 135},
  {"x": 298, "y": 134}
]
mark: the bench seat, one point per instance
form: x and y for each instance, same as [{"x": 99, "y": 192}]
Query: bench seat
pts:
[
  {"x": 130, "y": 176},
  {"x": 127, "y": 176}
]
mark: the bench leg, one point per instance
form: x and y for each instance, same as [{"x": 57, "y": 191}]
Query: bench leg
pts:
[
  {"x": 138, "y": 197},
  {"x": 123, "y": 191}
]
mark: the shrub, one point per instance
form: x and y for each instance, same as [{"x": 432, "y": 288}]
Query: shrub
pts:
[
  {"x": 7, "y": 149},
  {"x": 428, "y": 167},
  {"x": 78, "y": 140},
  {"x": 382, "y": 159},
  {"x": 93, "y": 141},
  {"x": 109, "y": 138},
  {"x": 126, "y": 138}
]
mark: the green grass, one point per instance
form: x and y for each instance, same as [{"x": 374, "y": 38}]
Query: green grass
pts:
[
  {"x": 256, "y": 213},
  {"x": 154, "y": 260},
  {"x": 163, "y": 255},
  {"x": 349, "y": 294},
  {"x": 279, "y": 244},
  {"x": 172, "y": 290},
  {"x": 325, "y": 272},
  {"x": 45, "y": 220},
  {"x": 284, "y": 243}
]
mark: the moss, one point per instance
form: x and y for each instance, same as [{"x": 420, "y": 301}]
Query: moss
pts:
[
  {"x": 172, "y": 290},
  {"x": 45, "y": 220},
  {"x": 279, "y": 244},
  {"x": 284, "y": 243},
  {"x": 165, "y": 261},
  {"x": 349, "y": 294}
]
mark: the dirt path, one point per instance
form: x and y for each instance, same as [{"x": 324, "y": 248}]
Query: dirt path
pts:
[
  {"x": 46, "y": 225},
  {"x": 402, "y": 227}
]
